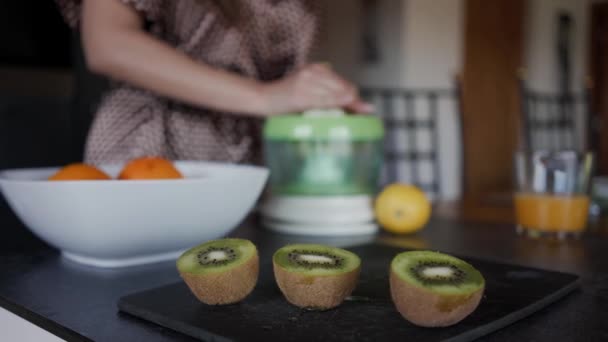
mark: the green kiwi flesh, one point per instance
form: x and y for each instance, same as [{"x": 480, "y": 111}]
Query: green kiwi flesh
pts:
[
  {"x": 315, "y": 276},
  {"x": 433, "y": 289},
  {"x": 220, "y": 271}
]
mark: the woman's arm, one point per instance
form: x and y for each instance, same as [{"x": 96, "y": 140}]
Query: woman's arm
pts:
[{"x": 116, "y": 45}]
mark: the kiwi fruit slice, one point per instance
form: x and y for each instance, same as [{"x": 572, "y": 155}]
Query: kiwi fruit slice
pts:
[
  {"x": 220, "y": 271},
  {"x": 315, "y": 276},
  {"x": 432, "y": 289}
]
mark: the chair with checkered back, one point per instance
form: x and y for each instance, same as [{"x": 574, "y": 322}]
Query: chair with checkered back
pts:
[
  {"x": 412, "y": 146},
  {"x": 553, "y": 121}
]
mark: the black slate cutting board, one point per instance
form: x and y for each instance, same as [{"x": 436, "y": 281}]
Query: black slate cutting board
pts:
[{"x": 512, "y": 293}]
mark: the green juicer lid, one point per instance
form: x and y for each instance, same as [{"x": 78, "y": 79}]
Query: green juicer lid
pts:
[{"x": 299, "y": 127}]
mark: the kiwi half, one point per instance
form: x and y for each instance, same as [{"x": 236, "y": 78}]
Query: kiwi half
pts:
[
  {"x": 220, "y": 271},
  {"x": 432, "y": 289},
  {"x": 315, "y": 276}
]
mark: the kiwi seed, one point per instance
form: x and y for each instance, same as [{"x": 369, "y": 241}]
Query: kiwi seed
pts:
[
  {"x": 322, "y": 260},
  {"x": 444, "y": 273}
]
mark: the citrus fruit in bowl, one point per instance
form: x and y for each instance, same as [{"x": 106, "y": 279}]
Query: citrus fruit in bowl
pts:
[
  {"x": 79, "y": 171},
  {"x": 150, "y": 168},
  {"x": 402, "y": 208}
]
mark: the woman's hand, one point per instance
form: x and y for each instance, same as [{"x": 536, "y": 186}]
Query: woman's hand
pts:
[{"x": 315, "y": 86}]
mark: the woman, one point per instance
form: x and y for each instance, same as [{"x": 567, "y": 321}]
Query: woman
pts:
[{"x": 195, "y": 78}]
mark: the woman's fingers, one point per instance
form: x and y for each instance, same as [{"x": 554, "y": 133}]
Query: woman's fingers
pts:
[
  {"x": 328, "y": 88},
  {"x": 360, "y": 107},
  {"x": 333, "y": 81},
  {"x": 321, "y": 94}
]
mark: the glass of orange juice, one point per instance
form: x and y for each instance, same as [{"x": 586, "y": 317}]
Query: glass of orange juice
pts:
[{"x": 552, "y": 195}]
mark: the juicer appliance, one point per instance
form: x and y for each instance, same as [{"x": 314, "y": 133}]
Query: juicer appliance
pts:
[{"x": 324, "y": 171}]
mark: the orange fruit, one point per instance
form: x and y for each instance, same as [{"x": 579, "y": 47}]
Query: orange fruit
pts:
[
  {"x": 402, "y": 209},
  {"x": 79, "y": 171},
  {"x": 149, "y": 168}
]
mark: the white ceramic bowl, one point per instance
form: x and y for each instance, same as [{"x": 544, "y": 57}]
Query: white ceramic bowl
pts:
[{"x": 129, "y": 222}]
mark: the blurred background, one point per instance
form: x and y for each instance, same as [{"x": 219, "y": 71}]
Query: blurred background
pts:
[{"x": 459, "y": 83}]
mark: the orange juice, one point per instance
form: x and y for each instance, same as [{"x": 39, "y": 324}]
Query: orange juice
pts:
[{"x": 552, "y": 213}]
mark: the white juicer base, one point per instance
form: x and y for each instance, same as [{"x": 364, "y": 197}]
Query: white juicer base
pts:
[
  {"x": 318, "y": 215},
  {"x": 319, "y": 209},
  {"x": 320, "y": 229}
]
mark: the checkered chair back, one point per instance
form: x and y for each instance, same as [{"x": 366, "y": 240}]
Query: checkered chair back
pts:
[
  {"x": 555, "y": 121},
  {"x": 412, "y": 148}
]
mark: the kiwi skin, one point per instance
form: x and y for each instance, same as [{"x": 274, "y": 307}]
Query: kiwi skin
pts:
[
  {"x": 425, "y": 308},
  {"x": 228, "y": 287},
  {"x": 315, "y": 292}
]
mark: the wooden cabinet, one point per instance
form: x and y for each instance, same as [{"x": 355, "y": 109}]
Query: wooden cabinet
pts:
[{"x": 493, "y": 53}]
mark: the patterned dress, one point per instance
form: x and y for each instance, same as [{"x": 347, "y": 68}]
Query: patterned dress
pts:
[{"x": 271, "y": 38}]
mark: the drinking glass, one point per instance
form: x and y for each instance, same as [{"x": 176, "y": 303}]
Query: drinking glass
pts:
[{"x": 552, "y": 197}]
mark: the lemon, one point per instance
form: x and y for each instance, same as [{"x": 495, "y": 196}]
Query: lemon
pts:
[{"x": 402, "y": 208}]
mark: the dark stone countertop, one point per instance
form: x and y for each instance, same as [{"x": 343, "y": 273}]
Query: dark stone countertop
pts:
[{"x": 79, "y": 303}]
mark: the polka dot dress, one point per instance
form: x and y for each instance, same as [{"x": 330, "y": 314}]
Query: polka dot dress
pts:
[{"x": 271, "y": 38}]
